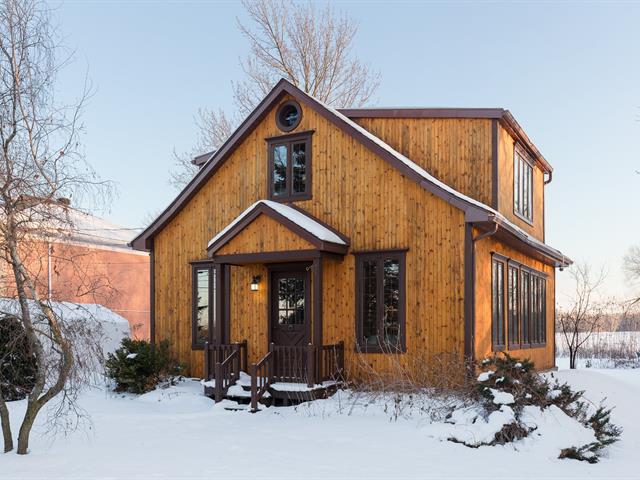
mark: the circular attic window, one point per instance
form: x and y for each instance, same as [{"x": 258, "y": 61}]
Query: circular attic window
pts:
[{"x": 288, "y": 116}]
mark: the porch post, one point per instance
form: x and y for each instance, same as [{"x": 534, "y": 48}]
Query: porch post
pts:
[{"x": 317, "y": 301}]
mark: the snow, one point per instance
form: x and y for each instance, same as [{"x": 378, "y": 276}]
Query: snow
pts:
[
  {"x": 178, "y": 433},
  {"x": 502, "y": 398},
  {"x": 131, "y": 356},
  {"x": 310, "y": 225},
  {"x": 484, "y": 376}
]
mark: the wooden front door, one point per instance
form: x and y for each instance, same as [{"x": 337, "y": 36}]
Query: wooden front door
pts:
[{"x": 290, "y": 308}]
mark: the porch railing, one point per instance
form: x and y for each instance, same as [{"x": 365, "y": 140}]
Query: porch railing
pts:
[
  {"x": 311, "y": 365},
  {"x": 215, "y": 353}
]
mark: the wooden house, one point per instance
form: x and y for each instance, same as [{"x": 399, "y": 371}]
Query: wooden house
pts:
[{"x": 316, "y": 239}]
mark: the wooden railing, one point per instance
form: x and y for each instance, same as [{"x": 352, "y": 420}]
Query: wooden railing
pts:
[
  {"x": 215, "y": 353},
  {"x": 261, "y": 378},
  {"x": 310, "y": 364},
  {"x": 227, "y": 374}
]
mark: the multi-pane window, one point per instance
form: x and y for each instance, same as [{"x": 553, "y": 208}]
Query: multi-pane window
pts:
[
  {"x": 380, "y": 302},
  {"x": 291, "y": 299},
  {"x": 522, "y": 186},
  {"x": 290, "y": 168},
  {"x": 203, "y": 305},
  {"x": 497, "y": 304},
  {"x": 525, "y": 303}
]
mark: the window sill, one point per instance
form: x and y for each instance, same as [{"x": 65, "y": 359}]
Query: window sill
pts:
[
  {"x": 524, "y": 219},
  {"x": 290, "y": 198},
  {"x": 379, "y": 349}
]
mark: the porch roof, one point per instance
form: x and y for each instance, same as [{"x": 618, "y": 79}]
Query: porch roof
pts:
[{"x": 319, "y": 234}]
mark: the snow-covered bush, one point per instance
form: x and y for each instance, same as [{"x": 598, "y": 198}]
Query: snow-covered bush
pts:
[
  {"x": 510, "y": 386},
  {"x": 139, "y": 366}
]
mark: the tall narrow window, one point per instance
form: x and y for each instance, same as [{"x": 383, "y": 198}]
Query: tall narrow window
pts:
[
  {"x": 522, "y": 186},
  {"x": 525, "y": 308},
  {"x": 203, "y": 305},
  {"x": 512, "y": 305},
  {"x": 497, "y": 302},
  {"x": 290, "y": 168},
  {"x": 380, "y": 303}
]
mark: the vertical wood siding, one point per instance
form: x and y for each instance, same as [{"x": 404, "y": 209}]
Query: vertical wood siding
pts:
[{"x": 358, "y": 194}]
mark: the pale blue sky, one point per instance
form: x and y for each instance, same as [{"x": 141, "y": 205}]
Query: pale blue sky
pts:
[{"x": 570, "y": 73}]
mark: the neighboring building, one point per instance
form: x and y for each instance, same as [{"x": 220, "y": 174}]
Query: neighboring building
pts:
[
  {"x": 93, "y": 263},
  {"x": 396, "y": 231}
]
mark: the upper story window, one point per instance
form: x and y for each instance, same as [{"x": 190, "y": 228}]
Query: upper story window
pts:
[
  {"x": 290, "y": 167},
  {"x": 288, "y": 116},
  {"x": 522, "y": 186}
]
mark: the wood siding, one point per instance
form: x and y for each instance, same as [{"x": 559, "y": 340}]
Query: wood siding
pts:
[
  {"x": 506, "y": 145},
  {"x": 356, "y": 193},
  {"x": 457, "y": 151},
  {"x": 543, "y": 357}
]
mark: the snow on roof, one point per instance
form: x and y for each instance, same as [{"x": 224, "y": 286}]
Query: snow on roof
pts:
[
  {"x": 68, "y": 310},
  {"x": 303, "y": 221}
]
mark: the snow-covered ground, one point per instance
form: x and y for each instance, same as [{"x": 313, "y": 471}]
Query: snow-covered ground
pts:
[{"x": 179, "y": 433}]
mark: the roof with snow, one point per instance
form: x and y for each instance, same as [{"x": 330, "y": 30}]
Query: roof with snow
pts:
[
  {"x": 475, "y": 212},
  {"x": 322, "y": 236}
]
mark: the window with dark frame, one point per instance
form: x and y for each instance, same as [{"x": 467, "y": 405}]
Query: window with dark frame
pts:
[
  {"x": 497, "y": 304},
  {"x": 290, "y": 167},
  {"x": 526, "y": 313},
  {"x": 522, "y": 186},
  {"x": 203, "y": 321},
  {"x": 380, "y": 303}
]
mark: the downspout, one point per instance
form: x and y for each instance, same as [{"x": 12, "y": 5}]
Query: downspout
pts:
[{"x": 549, "y": 178}]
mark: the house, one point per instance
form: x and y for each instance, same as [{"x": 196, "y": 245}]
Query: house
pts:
[
  {"x": 316, "y": 239},
  {"x": 91, "y": 263}
]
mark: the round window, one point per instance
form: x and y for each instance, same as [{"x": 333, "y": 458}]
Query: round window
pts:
[{"x": 288, "y": 116}]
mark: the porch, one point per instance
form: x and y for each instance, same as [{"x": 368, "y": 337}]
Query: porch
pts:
[{"x": 285, "y": 374}]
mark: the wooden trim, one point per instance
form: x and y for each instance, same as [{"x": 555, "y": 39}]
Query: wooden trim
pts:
[
  {"x": 210, "y": 266},
  {"x": 226, "y": 271},
  {"x": 152, "y": 296},
  {"x": 380, "y": 256},
  {"x": 290, "y": 136},
  {"x": 268, "y": 257},
  {"x": 288, "y": 141},
  {"x": 281, "y": 126},
  {"x": 262, "y": 208},
  {"x": 495, "y": 181},
  {"x": 496, "y": 258},
  {"x": 317, "y": 301},
  {"x": 469, "y": 292},
  {"x": 298, "y": 268}
]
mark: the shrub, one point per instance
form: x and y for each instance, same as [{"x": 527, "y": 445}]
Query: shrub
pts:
[
  {"x": 518, "y": 379},
  {"x": 139, "y": 366},
  {"x": 17, "y": 363}
]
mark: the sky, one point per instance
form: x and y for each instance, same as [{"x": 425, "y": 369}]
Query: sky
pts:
[{"x": 569, "y": 72}]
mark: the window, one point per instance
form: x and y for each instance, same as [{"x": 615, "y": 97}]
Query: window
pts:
[
  {"x": 497, "y": 304},
  {"x": 203, "y": 320},
  {"x": 522, "y": 186},
  {"x": 288, "y": 116},
  {"x": 525, "y": 303},
  {"x": 380, "y": 303},
  {"x": 290, "y": 168}
]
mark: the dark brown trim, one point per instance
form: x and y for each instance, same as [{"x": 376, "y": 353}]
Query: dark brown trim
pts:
[
  {"x": 269, "y": 257},
  {"x": 300, "y": 267},
  {"x": 495, "y": 182},
  {"x": 379, "y": 256},
  {"x": 469, "y": 292},
  {"x": 288, "y": 141},
  {"x": 262, "y": 208},
  {"x": 210, "y": 267},
  {"x": 290, "y": 136},
  {"x": 499, "y": 346},
  {"x": 389, "y": 250},
  {"x": 226, "y": 273},
  {"x": 317, "y": 301},
  {"x": 152, "y": 296},
  {"x": 288, "y": 128},
  {"x": 519, "y": 152},
  {"x": 142, "y": 241}
]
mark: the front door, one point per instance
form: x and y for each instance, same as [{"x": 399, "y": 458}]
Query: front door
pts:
[{"x": 290, "y": 307}]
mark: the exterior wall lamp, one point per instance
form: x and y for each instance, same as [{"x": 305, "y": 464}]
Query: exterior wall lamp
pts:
[{"x": 255, "y": 283}]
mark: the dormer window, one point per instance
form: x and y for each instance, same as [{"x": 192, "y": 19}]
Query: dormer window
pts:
[
  {"x": 290, "y": 167},
  {"x": 522, "y": 186}
]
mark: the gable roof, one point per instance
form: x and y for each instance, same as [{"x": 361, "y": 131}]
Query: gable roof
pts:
[
  {"x": 475, "y": 211},
  {"x": 323, "y": 237}
]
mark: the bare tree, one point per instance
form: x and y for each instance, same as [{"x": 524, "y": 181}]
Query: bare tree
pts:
[
  {"x": 40, "y": 163},
  {"x": 309, "y": 46},
  {"x": 631, "y": 263},
  {"x": 586, "y": 311}
]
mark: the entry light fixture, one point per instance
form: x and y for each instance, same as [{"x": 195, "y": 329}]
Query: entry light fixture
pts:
[{"x": 255, "y": 283}]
